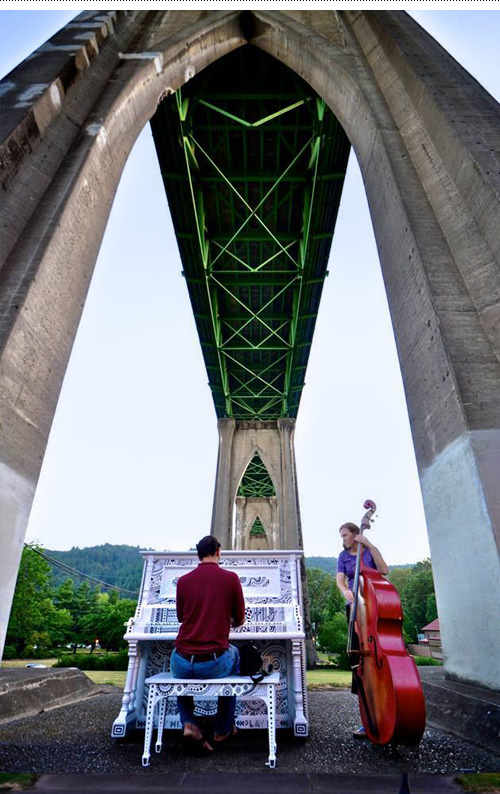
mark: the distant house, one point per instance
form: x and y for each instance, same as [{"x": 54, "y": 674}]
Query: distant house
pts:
[
  {"x": 429, "y": 642},
  {"x": 433, "y": 638}
]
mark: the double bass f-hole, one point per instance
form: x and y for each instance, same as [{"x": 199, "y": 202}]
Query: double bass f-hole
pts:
[{"x": 378, "y": 662}]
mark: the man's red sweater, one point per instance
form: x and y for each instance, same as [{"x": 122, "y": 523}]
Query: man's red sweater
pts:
[{"x": 207, "y": 599}]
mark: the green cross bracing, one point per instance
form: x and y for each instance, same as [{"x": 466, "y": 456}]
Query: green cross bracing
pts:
[
  {"x": 257, "y": 530},
  {"x": 253, "y": 164},
  {"x": 256, "y": 480}
]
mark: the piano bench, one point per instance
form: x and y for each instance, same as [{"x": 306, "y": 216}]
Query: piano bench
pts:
[{"x": 163, "y": 686}]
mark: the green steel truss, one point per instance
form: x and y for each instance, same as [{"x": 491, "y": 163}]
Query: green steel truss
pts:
[
  {"x": 256, "y": 480},
  {"x": 253, "y": 164}
]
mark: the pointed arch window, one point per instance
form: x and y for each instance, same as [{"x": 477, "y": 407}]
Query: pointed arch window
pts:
[
  {"x": 256, "y": 480},
  {"x": 257, "y": 530}
]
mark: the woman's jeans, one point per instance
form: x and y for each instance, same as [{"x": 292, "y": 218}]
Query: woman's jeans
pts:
[{"x": 220, "y": 667}]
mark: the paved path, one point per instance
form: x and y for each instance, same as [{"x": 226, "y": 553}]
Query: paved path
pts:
[
  {"x": 249, "y": 783},
  {"x": 76, "y": 739}
]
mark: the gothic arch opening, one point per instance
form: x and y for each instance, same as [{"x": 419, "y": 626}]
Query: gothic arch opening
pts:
[
  {"x": 257, "y": 536},
  {"x": 256, "y": 509}
]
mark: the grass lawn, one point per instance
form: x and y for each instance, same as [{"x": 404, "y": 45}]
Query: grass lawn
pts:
[
  {"x": 322, "y": 678},
  {"x": 13, "y": 782},
  {"x": 115, "y": 677},
  {"x": 328, "y": 678},
  {"x": 10, "y": 663},
  {"x": 480, "y": 782}
]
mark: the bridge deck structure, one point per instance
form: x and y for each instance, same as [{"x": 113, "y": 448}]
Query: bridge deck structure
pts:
[{"x": 253, "y": 164}]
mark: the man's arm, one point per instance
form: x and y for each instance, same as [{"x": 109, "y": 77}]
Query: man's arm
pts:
[
  {"x": 179, "y": 603},
  {"x": 238, "y": 608}
]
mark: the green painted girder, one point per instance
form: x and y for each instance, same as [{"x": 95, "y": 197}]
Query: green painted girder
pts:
[{"x": 253, "y": 172}]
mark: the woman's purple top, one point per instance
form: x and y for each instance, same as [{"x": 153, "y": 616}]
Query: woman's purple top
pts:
[{"x": 346, "y": 564}]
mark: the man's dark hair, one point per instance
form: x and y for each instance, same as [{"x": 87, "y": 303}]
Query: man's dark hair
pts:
[{"x": 207, "y": 546}]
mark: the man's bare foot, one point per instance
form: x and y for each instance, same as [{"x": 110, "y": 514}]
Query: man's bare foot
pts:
[
  {"x": 193, "y": 734},
  {"x": 232, "y": 732}
]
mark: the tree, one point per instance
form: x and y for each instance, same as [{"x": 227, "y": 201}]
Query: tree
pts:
[
  {"x": 332, "y": 637},
  {"x": 33, "y": 588},
  {"x": 85, "y": 610},
  {"x": 35, "y": 620},
  {"x": 416, "y": 591},
  {"x": 112, "y": 614},
  {"x": 325, "y": 598}
]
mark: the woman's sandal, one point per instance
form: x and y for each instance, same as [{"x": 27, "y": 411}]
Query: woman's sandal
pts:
[{"x": 360, "y": 733}]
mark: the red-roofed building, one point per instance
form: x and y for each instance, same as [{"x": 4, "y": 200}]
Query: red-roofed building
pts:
[{"x": 433, "y": 638}]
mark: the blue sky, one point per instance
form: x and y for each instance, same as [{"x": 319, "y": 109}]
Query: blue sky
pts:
[{"x": 132, "y": 455}]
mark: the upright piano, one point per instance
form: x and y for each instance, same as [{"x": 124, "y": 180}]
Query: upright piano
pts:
[{"x": 274, "y": 623}]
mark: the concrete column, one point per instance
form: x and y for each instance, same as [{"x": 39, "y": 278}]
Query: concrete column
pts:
[
  {"x": 16, "y": 496},
  {"x": 239, "y": 533},
  {"x": 238, "y": 443},
  {"x": 222, "y": 514},
  {"x": 290, "y": 526},
  {"x": 274, "y": 442}
]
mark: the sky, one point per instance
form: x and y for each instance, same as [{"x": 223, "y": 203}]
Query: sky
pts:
[{"x": 133, "y": 449}]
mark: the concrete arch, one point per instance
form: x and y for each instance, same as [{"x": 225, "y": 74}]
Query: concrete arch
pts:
[{"x": 425, "y": 134}]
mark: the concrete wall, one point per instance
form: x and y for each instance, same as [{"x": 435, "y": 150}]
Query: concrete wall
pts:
[{"x": 426, "y": 136}]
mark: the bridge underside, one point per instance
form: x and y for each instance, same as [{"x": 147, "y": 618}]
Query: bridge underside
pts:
[
  {"x": 253, "y": 164},
  {"x": 427, "y": 139}
]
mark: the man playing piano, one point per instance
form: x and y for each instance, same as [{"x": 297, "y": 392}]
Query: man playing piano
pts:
[{"x": 209, "y": 602}]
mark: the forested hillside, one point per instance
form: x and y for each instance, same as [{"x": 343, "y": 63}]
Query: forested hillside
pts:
[
  {"x": 326, "y": 564},
  {"x": 122, "y": 565},
  {"x": 54, "y": 609},
  {"x": 117, "y": 565}
]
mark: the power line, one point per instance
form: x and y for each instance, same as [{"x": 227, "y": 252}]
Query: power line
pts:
[{"x": 68, "y": 569}]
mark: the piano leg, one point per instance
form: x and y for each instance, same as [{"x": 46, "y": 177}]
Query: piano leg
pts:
[
  {"x": 271, "y": 725},
  {"x": 150, "y": 718},
  {"x": 127, "y": 711},
  {"x": 162, "y": 707},
  {"x": 300, "y": 723}
]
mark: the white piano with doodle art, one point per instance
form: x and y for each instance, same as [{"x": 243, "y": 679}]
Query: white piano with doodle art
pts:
[{"x": 274, "y": 622}]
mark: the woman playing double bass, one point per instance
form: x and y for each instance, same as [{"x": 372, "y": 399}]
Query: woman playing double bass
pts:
[
  {"x": 385, "y": 677},
  {"x": 346, "y": 566}
]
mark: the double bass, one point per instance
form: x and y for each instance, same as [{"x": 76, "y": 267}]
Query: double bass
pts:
[{"x": 391, "y": 700}]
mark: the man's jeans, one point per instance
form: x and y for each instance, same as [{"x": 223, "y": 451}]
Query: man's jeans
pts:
[{"x": 227, "y": 664}]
